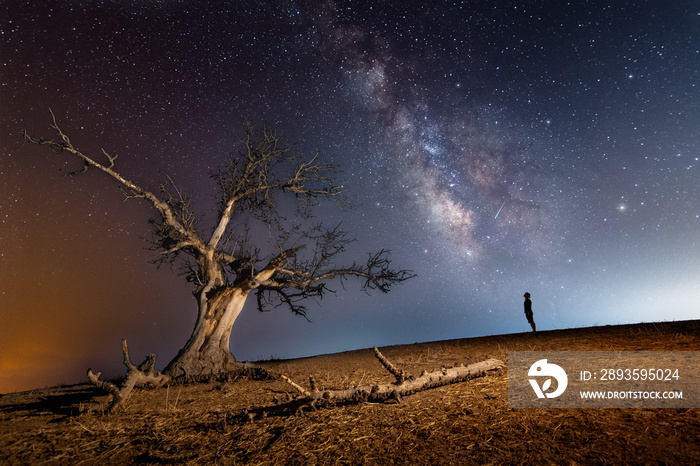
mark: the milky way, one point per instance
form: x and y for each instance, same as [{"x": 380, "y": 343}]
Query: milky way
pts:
[{"x": 493, "y": 147}]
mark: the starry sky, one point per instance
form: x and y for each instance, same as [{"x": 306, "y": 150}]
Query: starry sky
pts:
[{"x": 494, "y": 147}]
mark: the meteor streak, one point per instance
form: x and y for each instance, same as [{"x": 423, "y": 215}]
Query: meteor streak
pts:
[{"x": 499, "y": 210}]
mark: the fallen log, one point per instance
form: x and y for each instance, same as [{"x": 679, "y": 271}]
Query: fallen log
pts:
[
  {"x": 144, "y": 374},
  {"x": 403, "y": 386}
]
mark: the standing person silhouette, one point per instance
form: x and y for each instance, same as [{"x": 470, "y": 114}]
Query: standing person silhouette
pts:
[{"x": 528, "y": 312}]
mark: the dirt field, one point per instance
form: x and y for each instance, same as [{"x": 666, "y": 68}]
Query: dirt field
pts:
[{"x": 463, "y": 423}]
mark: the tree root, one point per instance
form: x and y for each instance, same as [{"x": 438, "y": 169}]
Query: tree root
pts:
[
  {"x": 403, "y": 386},
  {"x": 144, "y": 374}
]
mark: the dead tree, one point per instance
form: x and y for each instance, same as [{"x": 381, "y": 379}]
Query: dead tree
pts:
[
  {"x": 294, "y": 261},
  {"x": 404, "y": 385},
  {"x": 143, "y": 375}
]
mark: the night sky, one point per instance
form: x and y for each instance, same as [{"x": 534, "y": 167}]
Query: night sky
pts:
[{"x": 494, "y": 147}]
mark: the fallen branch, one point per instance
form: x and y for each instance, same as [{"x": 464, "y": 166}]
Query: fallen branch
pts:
[
  {"x": 144, "y": 374},
  {"x": 404, "y": 386}
]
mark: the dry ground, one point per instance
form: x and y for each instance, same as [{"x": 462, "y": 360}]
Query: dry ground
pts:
[{"x": 464, "y": 423}]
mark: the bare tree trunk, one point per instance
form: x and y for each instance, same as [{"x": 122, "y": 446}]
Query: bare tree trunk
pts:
[{"x": 207, "y": 352}]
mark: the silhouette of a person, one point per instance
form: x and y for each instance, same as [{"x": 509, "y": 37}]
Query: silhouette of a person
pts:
[{"x": 528, "y": 312}]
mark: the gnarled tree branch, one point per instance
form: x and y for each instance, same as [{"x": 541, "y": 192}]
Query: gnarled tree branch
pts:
[
  {"x": 144, "y": 374},
  {"x": 168, "y": 214}
]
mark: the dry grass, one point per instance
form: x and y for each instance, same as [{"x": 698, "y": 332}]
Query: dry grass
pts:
[{"x": 458, "y": 424}]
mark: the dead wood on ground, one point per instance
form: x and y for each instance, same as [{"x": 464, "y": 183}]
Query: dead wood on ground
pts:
[
  {"x": 403, "y": 386},
  {"x": 143, "y": 375}
]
